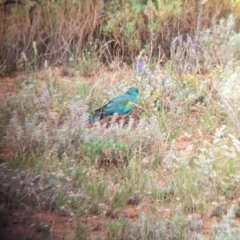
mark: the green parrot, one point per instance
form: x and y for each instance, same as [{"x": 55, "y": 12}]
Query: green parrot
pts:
[{"x": 121, "y": 105}]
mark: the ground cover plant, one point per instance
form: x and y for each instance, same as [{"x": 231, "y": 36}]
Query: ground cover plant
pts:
[{"x": 164, "y": 172}]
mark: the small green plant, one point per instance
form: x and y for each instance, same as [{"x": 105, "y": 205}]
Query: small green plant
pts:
[
  {"x": 228, "y": 179},
  {"x": 87, "y": 64},
  {"x": 81, "y": 233},
  {"x": 120, "y": 197},
  {"x": 101, "y": 150},
  {"x": 227, "y": 229},
  {"x": 118, "y": 229},
  {"x": 60, "y": 202},
  {"x": 187, "y": 189},
  {"x": 95, "y": 190},
  {"x": 4, "y": 119},
  {"x": 148, "y": 228}
]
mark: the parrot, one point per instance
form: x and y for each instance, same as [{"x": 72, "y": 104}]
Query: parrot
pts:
[{"x": 121, "y": 105}]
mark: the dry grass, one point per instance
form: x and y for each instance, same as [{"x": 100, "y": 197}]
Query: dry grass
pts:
[
  {"x": 63, "y": 30},
  {"x": 60, "y": 31}
]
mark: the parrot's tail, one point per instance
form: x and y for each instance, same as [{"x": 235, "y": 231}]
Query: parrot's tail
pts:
[
  {"x": 99, "y": 114},
  {"x": 92, "y": 118}
]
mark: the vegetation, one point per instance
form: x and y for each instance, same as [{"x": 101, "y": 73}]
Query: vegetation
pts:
[
  {"x": 67, "y": 32},
  {"x": 174, "y": 159}
]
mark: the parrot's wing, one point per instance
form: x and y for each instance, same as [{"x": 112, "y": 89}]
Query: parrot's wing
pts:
[{"x": 121, "y": 105}]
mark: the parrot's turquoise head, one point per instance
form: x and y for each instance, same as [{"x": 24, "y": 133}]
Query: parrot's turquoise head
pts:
[{"x": 133, "y": 92}]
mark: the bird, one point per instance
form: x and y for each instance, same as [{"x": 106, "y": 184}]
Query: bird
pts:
[{"x": 121, "y": 106}]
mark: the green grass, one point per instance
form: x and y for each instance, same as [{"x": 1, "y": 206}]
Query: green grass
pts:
[
  {"x": 228, "y": 184},
  {"x": 118, "y": 229},
  {"x": 188, "y": 189},
  {"x": 4, "y": 119}
]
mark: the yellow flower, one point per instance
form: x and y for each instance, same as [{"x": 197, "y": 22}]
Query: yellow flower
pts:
[
  {"x": 188, "y": 77},
  {"x": 209, "y": 75},
  {"x": 154, "y": 97},
  {"x": 151, "y": 104}
]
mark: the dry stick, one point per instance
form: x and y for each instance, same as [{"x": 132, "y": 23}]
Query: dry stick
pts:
[
  {"x": 2, "y": 68},
  {"x": 230, "y": 112},
  {"x": 135, "y": 104},
  {"x": 106, "y": 45},
  {"x": 198, "y": 29},
  {"x": 228, "y": 109},
  {"x": 65, "y": 47},
  {"x": 151, "y": 50},
  {"x": 160, "y": 59}
]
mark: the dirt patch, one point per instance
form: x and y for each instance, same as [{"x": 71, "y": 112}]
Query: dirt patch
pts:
[
  {"x": 26, "y": 225},
  {"x": 8, "y": 85},
  {"x": 206, "y": 231},
  {"x": 50, "y": 225}
]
